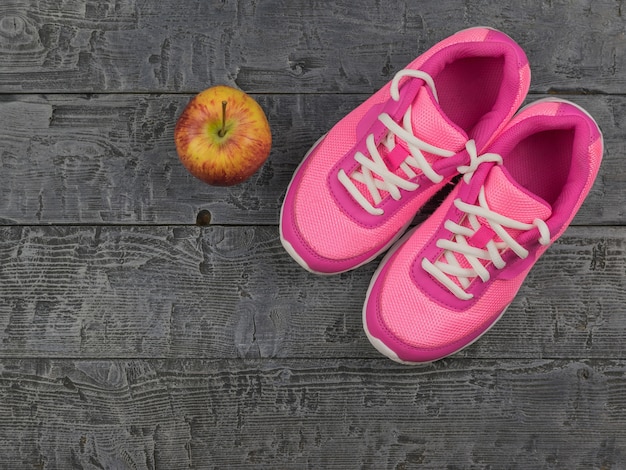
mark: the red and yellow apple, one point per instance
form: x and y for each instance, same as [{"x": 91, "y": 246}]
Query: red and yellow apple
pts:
[{"x": 222, "y": 136}]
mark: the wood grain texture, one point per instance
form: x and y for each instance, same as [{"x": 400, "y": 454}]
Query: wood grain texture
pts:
[
  {"x": 332, "y": 414},
  {"x": 229, "y": 292},
  {"x": 296, "y": 45},
  {"x": 111, "y": 159},
  {"x": 132, "y": 339}
]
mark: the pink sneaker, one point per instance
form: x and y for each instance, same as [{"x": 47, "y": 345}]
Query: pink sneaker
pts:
[
  {"x": 361, "y": 184},
  {"x": 452, "y": 278}
]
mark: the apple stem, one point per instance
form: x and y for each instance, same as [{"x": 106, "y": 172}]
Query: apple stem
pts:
[{"x": 222, "y": 131}]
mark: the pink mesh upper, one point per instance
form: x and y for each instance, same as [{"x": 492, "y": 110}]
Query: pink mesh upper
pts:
[
  {"x": 313, "y": 219},
  {"x": 432, "y": 126},
  {"x": 506, "y": 197},
  {"x": 419, "y": 321}
]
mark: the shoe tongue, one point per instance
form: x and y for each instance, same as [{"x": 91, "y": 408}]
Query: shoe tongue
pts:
[
  {"x": 507, "y": 197},
  {"x": 431, "y": 124}
]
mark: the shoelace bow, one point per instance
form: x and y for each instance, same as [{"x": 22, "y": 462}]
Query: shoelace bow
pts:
[
  {"x": 374, "y": 173},
  {"x": 444, "y": 271}
]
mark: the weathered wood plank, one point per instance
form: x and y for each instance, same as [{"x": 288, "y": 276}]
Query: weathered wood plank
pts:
[
  {"x": 296, "y": 45},
  {"x": 68, "y": 158},
  {"x": 111, "y": 159},
  {"x": 229, "y": 292},
  {"x": 132, "y": 339},
  {"x": 312, "y": 414}
]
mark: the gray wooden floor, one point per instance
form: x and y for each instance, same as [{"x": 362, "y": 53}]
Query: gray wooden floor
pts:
[{"x": 131, "y": 338}]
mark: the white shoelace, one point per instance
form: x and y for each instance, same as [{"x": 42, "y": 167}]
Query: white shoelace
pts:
[
  {"x": 388, "y": 181},
  {"x": 475, "y": 160},
  {"x": 492, "y": 254}
]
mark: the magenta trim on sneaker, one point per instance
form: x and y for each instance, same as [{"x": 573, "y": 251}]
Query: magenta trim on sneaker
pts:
[
  {"x": 445, "y": 167},
  {"x": 481, "y": 237},
  {"x": 405, "y": 352},
  {"x": 514, "y": 265},
  {"x": 291, "y": 235},
  {"x": 370, "y": 124},
  {"x": 494, "y": 35},
  {"x": 397, "y": 156}
]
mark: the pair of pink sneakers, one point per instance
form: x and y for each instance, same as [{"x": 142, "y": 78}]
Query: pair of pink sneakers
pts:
[{"x": 450, "y": 112}]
